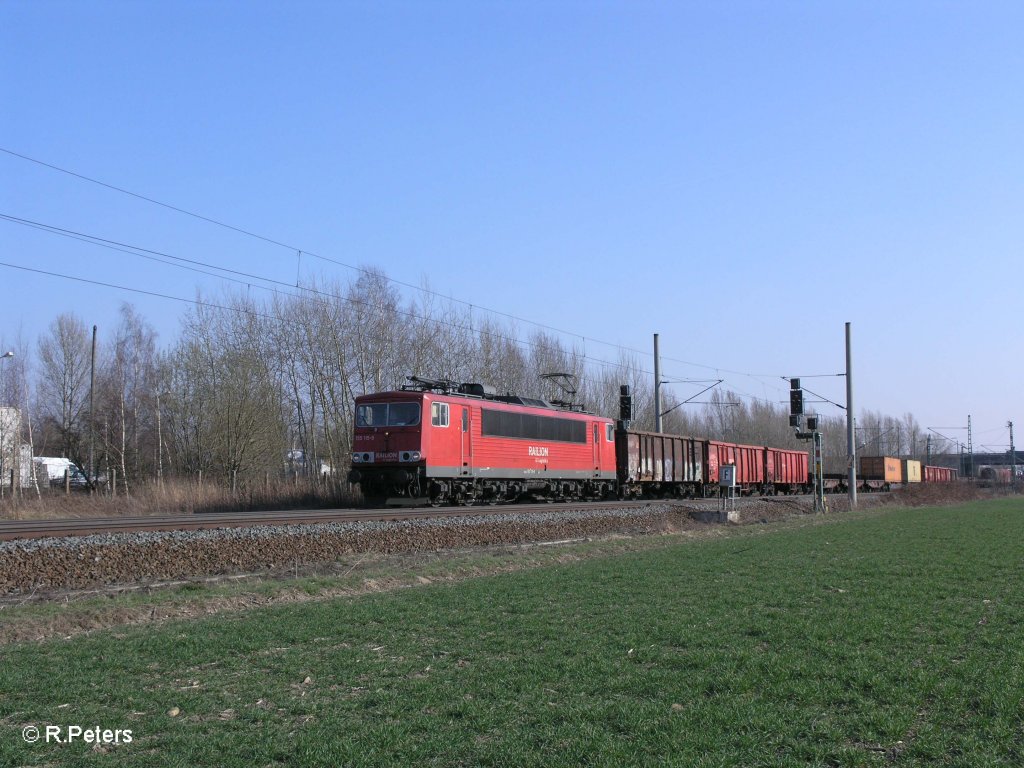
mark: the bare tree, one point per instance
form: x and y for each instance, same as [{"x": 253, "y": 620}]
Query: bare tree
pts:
[
  {"x": 499, "y": 361},
  {"x": 64, "y": 383},
  {"x": 125, "y": 391},
  {"x": 225, "y": 410},
  {"x": 376, "y": 333}
]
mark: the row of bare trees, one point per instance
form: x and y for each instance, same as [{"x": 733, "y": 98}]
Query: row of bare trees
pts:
[{"x": 253, "y": 388}]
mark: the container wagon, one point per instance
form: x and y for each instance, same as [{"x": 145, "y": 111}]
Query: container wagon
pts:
[
  {"x": 880, "y": 473},
  {"x": 911, "y": 470}
]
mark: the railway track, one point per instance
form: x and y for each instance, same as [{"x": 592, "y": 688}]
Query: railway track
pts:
[{"x": 11, "y": 530}]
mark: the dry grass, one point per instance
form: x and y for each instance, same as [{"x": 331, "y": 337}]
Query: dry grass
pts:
[
  {"x": 186, "y": 497},
  {"x": 178, "y": 497},
  {"x": 941, "y": 494}
]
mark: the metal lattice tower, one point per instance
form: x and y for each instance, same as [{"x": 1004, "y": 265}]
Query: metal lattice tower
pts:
[{"x": 970, "y": 448}]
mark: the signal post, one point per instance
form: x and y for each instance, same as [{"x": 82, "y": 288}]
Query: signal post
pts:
[{"x": 796, "y": 420}]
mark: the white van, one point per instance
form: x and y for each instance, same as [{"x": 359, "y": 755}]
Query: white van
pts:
[{"x": 53, "y": 469}]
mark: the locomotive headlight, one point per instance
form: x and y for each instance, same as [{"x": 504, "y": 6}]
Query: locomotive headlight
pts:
[
  {"x": 356, "y": 458},
  {"x": 415, "y": 456}
]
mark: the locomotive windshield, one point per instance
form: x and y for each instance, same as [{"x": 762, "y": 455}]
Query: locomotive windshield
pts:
[{"x": 388, "y": 415}]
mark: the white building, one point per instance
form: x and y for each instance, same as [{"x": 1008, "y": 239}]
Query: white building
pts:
[{"x": 10, "y": 442}]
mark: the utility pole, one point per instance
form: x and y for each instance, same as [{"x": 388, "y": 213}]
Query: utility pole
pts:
[
  {"x": 159, "y": 445},
  {"x": 1013, "y": 457},
  {"x": 92, "y": 420},
  {"x": 851, "y": 446},
  {"x": 657, "y": 386}
]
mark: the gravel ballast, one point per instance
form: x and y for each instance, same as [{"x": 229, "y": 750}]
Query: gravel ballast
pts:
[{"x": 99, "y": 560}]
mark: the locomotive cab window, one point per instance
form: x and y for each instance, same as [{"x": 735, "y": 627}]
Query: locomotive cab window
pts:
[
  {"x": 388, "y": 415},
  {"x": 609, "y": 433},
  {"x": 403, "y": 414},
  {"x": 439, "y": 414}
]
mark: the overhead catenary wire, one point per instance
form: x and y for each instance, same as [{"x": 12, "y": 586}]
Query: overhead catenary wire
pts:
[
  {"x": 245, "y": 278},
  {"x": 824, "y": 399},
  {"x": 211, "y": 305},
  {"x": 293, "y": 248},
  {"x": 265, "y": 316},
  {"x": 253, "y": 313},
  {"x": 155, "y": 294},
  {"x": 363, "y": 270}
]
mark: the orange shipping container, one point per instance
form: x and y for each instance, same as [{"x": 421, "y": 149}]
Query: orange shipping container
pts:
[{"x": 884, "y": 468}]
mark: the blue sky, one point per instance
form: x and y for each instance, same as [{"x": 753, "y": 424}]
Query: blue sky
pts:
[{"x": 742, "y": 178}]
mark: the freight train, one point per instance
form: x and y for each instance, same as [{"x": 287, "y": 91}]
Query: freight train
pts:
[
  {"x": 441, "y": 442},
  {"x": 883, "y": 473}
]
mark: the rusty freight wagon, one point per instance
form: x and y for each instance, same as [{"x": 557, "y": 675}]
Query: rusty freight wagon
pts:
[
  {"x": 653, "y": 463},
  {"x": 939, "y": 474},
  {"x": 748, "y": 459},
  {"x": 785, "y": 471}
]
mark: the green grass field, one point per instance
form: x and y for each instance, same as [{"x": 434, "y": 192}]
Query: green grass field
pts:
[{"x": 871, "y": 639}]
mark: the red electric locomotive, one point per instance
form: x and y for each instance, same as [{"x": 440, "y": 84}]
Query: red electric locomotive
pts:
[{"x": 441, "y": 442}]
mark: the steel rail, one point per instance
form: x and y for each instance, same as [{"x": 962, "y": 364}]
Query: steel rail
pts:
[{"x": 11, "y": 530}]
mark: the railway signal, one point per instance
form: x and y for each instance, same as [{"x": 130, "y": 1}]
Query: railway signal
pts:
[
  {"x": 796, "y": 398},
  {"x": 810, "y": 432},
  {"x": 625, "y": 404}
]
